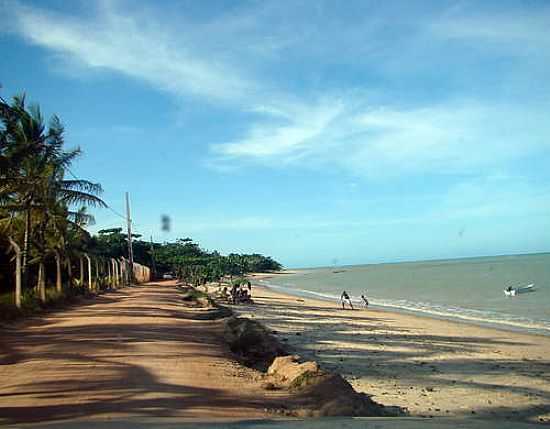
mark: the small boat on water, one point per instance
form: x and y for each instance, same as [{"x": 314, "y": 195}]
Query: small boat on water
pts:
[{"x": 513, "y": 291}]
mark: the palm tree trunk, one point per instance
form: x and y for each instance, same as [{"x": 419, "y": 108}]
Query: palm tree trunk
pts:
[
  {"x": 90, "y": 286},
  {"x": 97, "y": 273},
  {"x": 24, "y": 267},
  {"x": 70, "y": 271},
  {"x": 38, "y": 279},
  {"x": 117, "y": 273},
  {"x": 113, "y": 266},
  {"x": 122, "y": 271},
  {"x": 17, "y": 251},
  {"x": 58, "y": 284},
  {"x": 42, "y": 281},
  {"x": 81, "y": 271}
]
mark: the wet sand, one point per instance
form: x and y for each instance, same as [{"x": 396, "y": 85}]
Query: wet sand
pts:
[{"x": 432, "y": 367}]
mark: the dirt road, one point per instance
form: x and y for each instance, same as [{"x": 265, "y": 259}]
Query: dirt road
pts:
[{"x": 133, "y": 352}]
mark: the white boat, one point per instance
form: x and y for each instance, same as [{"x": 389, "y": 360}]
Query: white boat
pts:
[{"x": 513, "y": 291}]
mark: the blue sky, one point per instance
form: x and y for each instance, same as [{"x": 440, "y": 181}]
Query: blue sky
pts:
[{"x": 317, "y": 132}]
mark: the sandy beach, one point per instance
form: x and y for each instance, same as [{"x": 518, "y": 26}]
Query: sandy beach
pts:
[
  {"x": 432, "y": 367},
  {"x": 137, "y": 353}
]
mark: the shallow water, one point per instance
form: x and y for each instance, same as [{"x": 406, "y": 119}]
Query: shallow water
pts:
[{"x": 466, "y": 289}]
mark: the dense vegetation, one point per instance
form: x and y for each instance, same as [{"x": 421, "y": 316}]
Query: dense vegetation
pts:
[
  {"x": 183, "y": 257},
  {"x": 197, "y": 266},
  {"x": 42, "y": 212},
  {"x": 43, "y": 220}
]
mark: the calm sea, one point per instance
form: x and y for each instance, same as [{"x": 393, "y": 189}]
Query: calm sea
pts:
[{"x": 466, "y": 289}]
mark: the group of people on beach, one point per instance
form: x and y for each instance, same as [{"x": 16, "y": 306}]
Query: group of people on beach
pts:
[
  {"x": 239, "y": 293},
  {"x": 242, "y": 293},
  {"x": 345, "y": 299}
]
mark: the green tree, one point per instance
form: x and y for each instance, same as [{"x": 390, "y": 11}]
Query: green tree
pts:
[{"x": 35, "y": 196}]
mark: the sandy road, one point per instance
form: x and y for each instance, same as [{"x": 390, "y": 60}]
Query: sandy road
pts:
[{"x": 133, "y": 352}]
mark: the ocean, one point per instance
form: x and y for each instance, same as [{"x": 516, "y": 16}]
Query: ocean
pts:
[{"x": 470, "y": 290}]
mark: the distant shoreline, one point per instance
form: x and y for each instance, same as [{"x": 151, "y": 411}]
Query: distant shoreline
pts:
[
  {"x": 415, "y": 261},
  {"x": 456, "y": 318}
]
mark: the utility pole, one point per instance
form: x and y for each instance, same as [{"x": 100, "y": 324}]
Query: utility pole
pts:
[{"x": 130, "y": 249}]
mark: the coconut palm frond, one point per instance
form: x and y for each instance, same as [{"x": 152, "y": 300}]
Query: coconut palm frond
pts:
[
  {"x": 72, "y": 197},
  {"x": 83, "y": 186},
  {"x": 80, "y": 218}
]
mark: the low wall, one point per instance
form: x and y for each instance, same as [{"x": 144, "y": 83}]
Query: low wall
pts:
[{"x": 142, "y": 274}]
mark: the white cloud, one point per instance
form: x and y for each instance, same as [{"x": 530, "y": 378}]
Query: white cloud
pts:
[
  {"x": 139, "y": 48},
  {"x": 299, "y": 132},
  {"x": 340, "y": 128},
  {"x": 464, "y": 136}
]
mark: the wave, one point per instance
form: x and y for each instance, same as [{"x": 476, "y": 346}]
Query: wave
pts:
[{"x": 485, "y": 318}]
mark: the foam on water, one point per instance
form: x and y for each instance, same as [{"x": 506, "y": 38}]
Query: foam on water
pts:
[{"x": 410, "y": 287}]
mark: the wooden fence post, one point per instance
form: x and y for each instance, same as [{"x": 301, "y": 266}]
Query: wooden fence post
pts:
[{"x": 17, "y": 251}]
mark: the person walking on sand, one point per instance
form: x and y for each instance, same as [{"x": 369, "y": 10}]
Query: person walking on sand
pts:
[
  {"x": 345, "y": 299},
  {"x": 234, "y": 291},
  {"x": 365, "y": 301}
]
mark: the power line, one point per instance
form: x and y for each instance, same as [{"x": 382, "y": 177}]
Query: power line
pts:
[
  {"x": 120, "y": 215},
  {"x": 115, "y": 212},
  {"x": 72, "y": 174},
  {"x": 108, "y": 206}
]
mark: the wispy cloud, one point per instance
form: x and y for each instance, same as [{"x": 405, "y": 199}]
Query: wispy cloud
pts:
[
  {"x": 492, "y": 197},
  {"x": 225, "y": 59},
  {"x": 522, "y": 29},
  {"x": 288, "y": 133},
  {"x": 460, "y": 136},
  {"x": 466, "y": 136},
  {"x": 134, "y": 46},
  {"x": 485, "y": 197}
]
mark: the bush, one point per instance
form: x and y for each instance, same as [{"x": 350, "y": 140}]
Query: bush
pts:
[
  {"x": 29, "y": 302},
  {"x": 102, "y": 283},
  {"x": 238, "y": 281},
  {"x": 54, "y": 298}
]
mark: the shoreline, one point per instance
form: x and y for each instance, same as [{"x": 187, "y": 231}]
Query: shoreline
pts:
[
  {"x": 432, "y": 367},
  {"x": 504, "y": 325}
]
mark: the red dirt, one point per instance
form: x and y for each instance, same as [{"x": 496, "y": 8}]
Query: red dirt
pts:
[{"x": 131, "y": 352}]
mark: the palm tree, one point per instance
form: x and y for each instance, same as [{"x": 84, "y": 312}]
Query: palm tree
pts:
[
  {"x": 17, "y": 251},
  {"x": 27, "y": 151},
  {"x": 55, "y": 201},
  {"x": 33, "y": 184}
]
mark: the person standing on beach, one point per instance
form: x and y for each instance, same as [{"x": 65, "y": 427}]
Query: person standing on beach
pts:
[
  {"x": 365, "y": 301},
  {"x": 234, "y": 290},
  {"x": 345, "y": 299}
]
